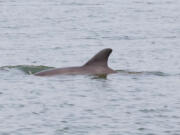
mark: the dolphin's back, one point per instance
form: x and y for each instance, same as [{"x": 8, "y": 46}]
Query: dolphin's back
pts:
[
  {"x": 56, "y": 71},
  {"x": 96, "y": 65}
]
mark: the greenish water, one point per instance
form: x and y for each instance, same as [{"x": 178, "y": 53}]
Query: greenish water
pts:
[{"x": 28, "y": 69}]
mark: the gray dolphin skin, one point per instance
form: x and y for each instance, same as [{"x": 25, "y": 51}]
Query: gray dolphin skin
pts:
[{"x": 97, "y": 65}]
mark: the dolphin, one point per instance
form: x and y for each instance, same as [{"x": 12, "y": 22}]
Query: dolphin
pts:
[{"x": 97, "y": 65}]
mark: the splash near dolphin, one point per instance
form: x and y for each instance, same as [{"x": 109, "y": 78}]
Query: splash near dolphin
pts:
[{"x": 97, "y": 65}]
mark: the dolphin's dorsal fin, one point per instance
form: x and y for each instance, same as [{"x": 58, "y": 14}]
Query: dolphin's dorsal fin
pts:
[{"x": 100, "y": 59}]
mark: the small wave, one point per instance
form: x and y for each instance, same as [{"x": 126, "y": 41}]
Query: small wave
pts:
[
  {"x": 32, "y": 69},
  {"x": 28, "y": 69},
  {"x": 156, "y": 73}
]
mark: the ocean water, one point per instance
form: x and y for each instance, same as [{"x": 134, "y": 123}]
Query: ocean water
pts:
[{"x": 143, "y": 98}]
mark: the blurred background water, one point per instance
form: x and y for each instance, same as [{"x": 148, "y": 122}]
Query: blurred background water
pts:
[{"x": 143, "y": 98}]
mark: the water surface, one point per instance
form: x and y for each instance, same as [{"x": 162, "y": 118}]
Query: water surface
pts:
[{"x": 143, "y": 98}]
